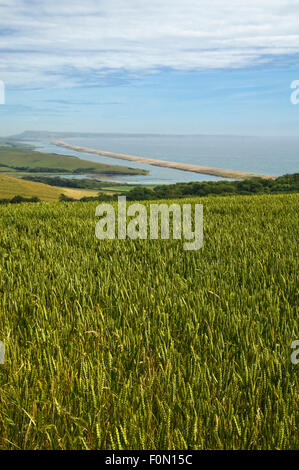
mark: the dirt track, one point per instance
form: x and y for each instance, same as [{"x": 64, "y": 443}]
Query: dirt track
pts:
[{"x": 205, "y": 170}]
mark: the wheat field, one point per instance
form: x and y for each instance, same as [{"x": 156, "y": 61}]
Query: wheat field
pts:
[
  {"x": 11, "y": 186},
  {"x": 126, "y": 344}
]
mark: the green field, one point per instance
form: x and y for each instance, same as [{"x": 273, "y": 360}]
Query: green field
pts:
[
  {"x": 21, "y": 159},
  {"x": 10, "y": 187},
  {"x": 142, "y": 345}
]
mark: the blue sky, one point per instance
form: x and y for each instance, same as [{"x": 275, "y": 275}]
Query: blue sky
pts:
[{"x": 204, "y": 67}]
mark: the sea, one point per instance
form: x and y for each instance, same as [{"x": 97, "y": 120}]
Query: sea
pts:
[{"x": 265, "y": 155}]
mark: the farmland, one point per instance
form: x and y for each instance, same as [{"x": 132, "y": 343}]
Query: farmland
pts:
[
  {"x": 10, "y": 187},
  {"x": 16, "y": 162},
  {"x": 126, "y": 344},
  {"x": 26, "y": 160}
]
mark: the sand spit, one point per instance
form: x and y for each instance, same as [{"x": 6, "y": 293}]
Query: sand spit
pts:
[{"x": 205, "y": 170}]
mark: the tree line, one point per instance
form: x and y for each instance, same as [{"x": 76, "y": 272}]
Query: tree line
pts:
[{"x": 283, "y": 184}]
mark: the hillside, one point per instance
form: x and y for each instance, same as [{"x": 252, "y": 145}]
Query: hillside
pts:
[
  {"x": 10, "y": 187},
  {"x": 31, "y": 161}
]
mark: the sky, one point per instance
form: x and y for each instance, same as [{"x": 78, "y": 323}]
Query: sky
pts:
[{"x": 158, "y": 66}]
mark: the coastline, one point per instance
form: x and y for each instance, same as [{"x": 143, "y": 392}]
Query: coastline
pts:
[{"x": 232, "y": 174}]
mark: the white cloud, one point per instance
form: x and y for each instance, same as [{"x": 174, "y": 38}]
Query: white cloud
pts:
[{"x": 56, "y": 43}]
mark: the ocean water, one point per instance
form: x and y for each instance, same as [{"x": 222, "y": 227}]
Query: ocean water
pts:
[{"x": 266, "y": 155}]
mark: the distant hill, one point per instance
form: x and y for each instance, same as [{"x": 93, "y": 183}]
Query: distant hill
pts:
[
  {"x": 48, "y": 135},
  {"x": 23, "y": 159},
  {"x": 45, "y": 135}
]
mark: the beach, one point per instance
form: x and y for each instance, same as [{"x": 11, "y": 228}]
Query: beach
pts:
[{"x": 219, "y": 172}]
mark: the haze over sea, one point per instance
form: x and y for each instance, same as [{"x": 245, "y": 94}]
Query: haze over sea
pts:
[{"x": 266, "y": 155}]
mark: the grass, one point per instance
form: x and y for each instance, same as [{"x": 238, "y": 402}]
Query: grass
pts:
[
  {"x": 142, "y": 345},
  {"x": 10, "y": 187},
  {"x": 25, "y": 158}
]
